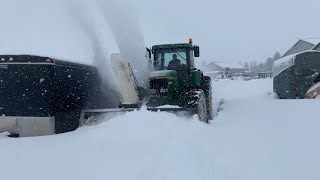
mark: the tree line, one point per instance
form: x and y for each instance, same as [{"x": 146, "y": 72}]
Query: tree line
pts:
[
  {"x": 252, "y": 66},
  {"x": 266, "y": 66}
]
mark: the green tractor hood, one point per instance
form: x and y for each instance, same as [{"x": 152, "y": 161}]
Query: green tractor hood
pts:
[{"x": 163, "y": 74}]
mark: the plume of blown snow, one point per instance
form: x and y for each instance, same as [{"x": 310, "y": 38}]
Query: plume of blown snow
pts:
[
  {"x": 89, "y": 20},
  {"x": 124, "y": 24}
]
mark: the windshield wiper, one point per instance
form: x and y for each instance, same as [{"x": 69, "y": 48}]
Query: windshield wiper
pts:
[{"x": 181, "y": 56}]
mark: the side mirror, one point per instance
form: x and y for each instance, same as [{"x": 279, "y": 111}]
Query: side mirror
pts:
[
  {"x": 149, "y": 52},
  {"x": 196, "y": 50}
]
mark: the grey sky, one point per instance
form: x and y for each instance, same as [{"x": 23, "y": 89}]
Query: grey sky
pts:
[
  {"x": 226, "y": 30},
  {"x": 230, "y": 30}
]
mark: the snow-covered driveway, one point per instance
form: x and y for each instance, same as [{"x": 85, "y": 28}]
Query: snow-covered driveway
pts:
[
  {"x": 258, "y": 137},
  {"x": 254, "y": 136}
]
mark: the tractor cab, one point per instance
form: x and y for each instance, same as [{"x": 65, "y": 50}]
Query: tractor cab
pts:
[{"x": 176, "y": 57}]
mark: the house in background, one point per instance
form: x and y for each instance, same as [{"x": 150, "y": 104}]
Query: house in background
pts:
[
  {"x": 225, "y": 67},
  {"x": 263, "y": 75},
  {"x": 303, "y": 45},
  {"x": 316, "y": 47}
]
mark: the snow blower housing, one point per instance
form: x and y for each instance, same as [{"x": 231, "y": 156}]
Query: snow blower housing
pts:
[{"x": 175, "y": 84}]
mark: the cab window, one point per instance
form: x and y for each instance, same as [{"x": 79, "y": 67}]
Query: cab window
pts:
[{"x": 163, "y": 58}]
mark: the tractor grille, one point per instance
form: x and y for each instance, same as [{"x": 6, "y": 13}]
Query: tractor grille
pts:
[{"x": 159, "y": 87}]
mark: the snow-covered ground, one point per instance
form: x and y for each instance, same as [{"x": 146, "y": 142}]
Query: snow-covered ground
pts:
[
  {"x": 253, "y": 136},
  {"x": 259, "y": 137}
]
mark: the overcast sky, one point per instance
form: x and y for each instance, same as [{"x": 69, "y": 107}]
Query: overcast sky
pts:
[
  {"x": 230, "y": 30},
  {"x": 225, "y": 30}
]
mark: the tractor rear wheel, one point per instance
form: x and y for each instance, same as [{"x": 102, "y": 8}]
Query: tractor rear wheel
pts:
[
  {"x": 202, "y": 108},
  {"x": 207, "y": 89}
]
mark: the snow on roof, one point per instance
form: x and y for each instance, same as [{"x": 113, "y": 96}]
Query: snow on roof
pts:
[
  {"x": 230, "y": 65},
  {"x": 313, "y": 41}
]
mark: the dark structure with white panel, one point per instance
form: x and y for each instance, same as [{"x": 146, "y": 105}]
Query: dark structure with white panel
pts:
[
  {"x": 43, "y": 96},
  {"x": 295, "y": 74}
]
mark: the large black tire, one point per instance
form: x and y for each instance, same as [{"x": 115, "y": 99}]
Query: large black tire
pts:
[
  {"x": 207, "y": 89},
  {"x": 202, "y": 107},
  {"x": 197, "y": 101}
]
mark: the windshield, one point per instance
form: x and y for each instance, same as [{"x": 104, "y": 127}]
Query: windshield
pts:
[{"x": 170, "y": 59}]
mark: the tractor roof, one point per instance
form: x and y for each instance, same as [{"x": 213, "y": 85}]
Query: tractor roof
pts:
[{"x": 168, "y": 46}]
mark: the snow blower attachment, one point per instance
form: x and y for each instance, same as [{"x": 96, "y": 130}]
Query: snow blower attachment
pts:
[
  {"x": 175, "y": 85},
  {"x": 127, "y": 82}
]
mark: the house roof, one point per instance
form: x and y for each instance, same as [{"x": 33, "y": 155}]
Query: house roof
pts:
[
  {"x": 316, "y": 46},
  {"x": 314, "y": 42},
  {"x": 230, "y": 65}
]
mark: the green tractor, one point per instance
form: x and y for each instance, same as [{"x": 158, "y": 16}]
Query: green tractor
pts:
[{"x": 174, "y": 83}]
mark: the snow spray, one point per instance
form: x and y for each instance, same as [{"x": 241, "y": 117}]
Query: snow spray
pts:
[
  {"x": 123, "y": 21},
  {"x": 86, "y": 16}
]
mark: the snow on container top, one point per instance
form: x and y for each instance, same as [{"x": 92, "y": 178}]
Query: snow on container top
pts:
[
  {"x": 38, "y": 60},
  {"x": 282, "y": 64},
  {"x": 25, "y": 59},
  {"x": 286, "y": 62}
]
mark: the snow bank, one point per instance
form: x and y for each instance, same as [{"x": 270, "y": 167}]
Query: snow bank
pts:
[
  {"x": 236, "y": 89},
  {"x": 138, "y": 145},
  {"x": 268, "y": 139},
  {"x": 4, "y": 135},
  {"x": 258, "y": 137}
]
